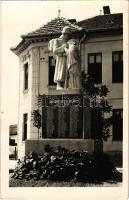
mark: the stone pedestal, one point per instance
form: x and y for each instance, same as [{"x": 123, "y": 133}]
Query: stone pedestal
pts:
[
  {"x": 66, "y": 114},
  {"x": 62, "y": 114},
  {"x": 66, "y": 125},
  {"x": 89, "y": 145}
]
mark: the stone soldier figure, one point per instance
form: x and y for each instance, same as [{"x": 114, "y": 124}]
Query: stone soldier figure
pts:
[
  {"x": 59, "y": 45},
  {"x": 67, "y": 70}
]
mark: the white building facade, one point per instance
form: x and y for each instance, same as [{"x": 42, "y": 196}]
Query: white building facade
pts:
[{"x": 101, "y": 57}]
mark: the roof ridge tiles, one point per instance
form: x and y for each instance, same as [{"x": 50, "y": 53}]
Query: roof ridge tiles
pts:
[
  {"x": 59, "y": 21},
  {"x": 96, "y": 16}
]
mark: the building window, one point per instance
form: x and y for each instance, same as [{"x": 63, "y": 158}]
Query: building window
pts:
[
  {"x": 95, "y": 67},
  {"x": 26, "y": 76},
  {"x": 117, "y": 124},
  {"x": 96, "y": 125},
  {"x": 25, "y": 118},
  {"x": 117, "y": 67},
  {"x": 52, "y": 63}
]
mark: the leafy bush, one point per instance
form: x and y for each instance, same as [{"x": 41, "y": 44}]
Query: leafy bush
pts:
[
  {"x": 97, "y": 93},
  {"x": 60, "y": 164},
  {"x": 36, "y": 118}
]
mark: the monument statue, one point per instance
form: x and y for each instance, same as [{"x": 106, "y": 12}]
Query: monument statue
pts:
[
  {"x": 73, "y": 69},
  {"x": 67, "y": 70}
]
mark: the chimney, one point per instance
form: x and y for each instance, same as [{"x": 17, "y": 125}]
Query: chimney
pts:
[{"x": 106, "y": 10}]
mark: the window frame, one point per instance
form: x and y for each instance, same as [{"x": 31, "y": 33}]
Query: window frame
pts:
[
  {"x": 99, "y": 80},
  {"x": 51, "y": 83},
  {"x": 26, "y": 77},
  {"x": 25, "y": 120},
  {"x": 115, "y": 78},
  {"x": 120, "y": 138}
]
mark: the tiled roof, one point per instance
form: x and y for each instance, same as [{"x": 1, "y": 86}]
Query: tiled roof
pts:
[
  {"x": 99, "y": 22},
  {"x": 55, "y": 26},
  {"x": 103, "y": 22}
]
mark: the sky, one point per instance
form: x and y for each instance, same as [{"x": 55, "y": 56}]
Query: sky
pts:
[{"x": 21, "y": 17}]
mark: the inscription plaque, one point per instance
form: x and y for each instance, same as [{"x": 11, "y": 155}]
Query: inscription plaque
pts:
[{"x": 62, "y": 116}]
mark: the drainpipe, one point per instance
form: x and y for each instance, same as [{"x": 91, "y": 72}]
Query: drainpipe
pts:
[
  {"x": 39, "y": 89},
  {"x": 81, "y": 41}
]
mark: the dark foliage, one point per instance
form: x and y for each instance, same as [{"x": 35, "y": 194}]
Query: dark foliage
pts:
[
  {"x": 99, "y": 107},
  {"x": 36, "y": 117},
  {"x": 60, "y": 164}
]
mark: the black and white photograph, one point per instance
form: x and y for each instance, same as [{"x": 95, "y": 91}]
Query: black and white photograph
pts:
[{"x": 64, "y": 98}]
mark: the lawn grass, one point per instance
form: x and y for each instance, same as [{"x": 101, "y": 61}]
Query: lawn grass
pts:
[{"x": 47, "y": 183}]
